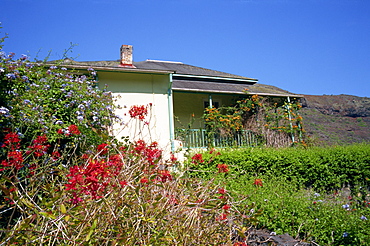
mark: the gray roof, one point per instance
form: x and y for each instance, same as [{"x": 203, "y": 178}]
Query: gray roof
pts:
[
  {"x": 181, "y": 68},
  {"x": 229, "y": 88},
  {"x": 175, "y": 67},
  {"x": 188, "y": 78}
]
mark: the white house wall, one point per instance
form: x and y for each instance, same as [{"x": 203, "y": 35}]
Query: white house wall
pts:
[{"x": 141, "y": 89}]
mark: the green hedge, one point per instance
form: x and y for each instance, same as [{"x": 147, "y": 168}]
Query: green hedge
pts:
[{"x": 324, "y": 168}]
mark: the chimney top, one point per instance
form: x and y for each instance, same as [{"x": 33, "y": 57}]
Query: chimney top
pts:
[{"x": 126, "y": 56}]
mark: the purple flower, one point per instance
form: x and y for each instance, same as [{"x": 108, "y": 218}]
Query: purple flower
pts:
[
  {"x": 345, "y": 234},
  {"x": 345, "y": 206},
  {"x": 363, "y": 217},
  {"x": 4, "y": 111},
  {"x": 80, "y": 118},
  {"x": 10, "y": 76}
]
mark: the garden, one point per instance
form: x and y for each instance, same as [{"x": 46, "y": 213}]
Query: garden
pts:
[{"x": 64, "y": 180}]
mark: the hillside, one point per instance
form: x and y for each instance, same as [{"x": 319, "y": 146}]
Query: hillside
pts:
[{"x": 336, "y": 119}]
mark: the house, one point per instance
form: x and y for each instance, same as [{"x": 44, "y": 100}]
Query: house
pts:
[{"x": 173, "y": 92}]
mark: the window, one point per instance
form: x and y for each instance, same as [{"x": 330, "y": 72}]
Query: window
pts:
[{"x": 215, "y": 104}]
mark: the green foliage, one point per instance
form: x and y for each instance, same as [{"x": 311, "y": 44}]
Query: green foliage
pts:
[
  {"x": 315, "y": 194},
  {"x": 321, "y": 168}
]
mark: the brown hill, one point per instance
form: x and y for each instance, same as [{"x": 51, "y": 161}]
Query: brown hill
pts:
[{"x": 336, "y": 119}]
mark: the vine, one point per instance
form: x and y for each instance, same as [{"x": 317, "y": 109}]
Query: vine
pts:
[{"x": 278, "y": 123}]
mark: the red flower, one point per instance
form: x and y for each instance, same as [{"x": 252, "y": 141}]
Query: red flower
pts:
[
  {"x": 223, "y": 216},
  {"x": 138, "y": 112},
  {"x": 258, "y": 182},
  {"x": 173, "y": 158},
  {"x": 221, "y": 191},
  {"x": 60, "y": 131},
  {"x": 55, "y": 155},
  {"x": 38, "y": 149},
  {"x": 165, "y": 175},
  {"x": 92, "y": 179},
  {"x": 123, "y": 183},
  {"x": 15, "y": 159},
  {"x": 40, "y": 140},
  {"x": 223, "y": 168},
  {"x": 12, "y": 141},
  {"x": 151, "y": 153},
  {"x": 144, "y": 180},
  {"x": 197, "y": 158},
  {"x": 240, "y": 244},
  {"x": 226, "y": 207},
  {"x": 102, "y": 149},
  {"x": 85, "y": 156},
  {"x": 73, "y": 129}
]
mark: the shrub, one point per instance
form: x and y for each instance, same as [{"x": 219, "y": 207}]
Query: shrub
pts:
[
  {"x": 44, "y": 99},
  {"x": 122, "y": 195},
  {"x": 317, "y": 167}
]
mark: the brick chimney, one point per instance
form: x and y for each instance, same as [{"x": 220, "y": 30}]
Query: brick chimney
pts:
[{"x": 126, "y": 56}]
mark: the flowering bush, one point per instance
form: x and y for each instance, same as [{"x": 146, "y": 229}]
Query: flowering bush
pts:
[
  {"x": 125, "y": 195},
  {"x": 276, "y": 124},
  {"x": 66, "y": 106}
]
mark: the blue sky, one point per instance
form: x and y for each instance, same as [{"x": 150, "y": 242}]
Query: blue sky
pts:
[{"x": 310, "y": 47}]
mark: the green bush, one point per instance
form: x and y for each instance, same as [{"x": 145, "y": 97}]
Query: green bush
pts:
[{"x": 317, "y": 167}]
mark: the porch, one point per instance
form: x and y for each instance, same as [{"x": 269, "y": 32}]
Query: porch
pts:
[{"x": 200, "y": 138}]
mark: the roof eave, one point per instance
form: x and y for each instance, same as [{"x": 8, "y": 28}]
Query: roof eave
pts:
[
  {"x": 228, "y": 79},
  {"x": 234, "y": 93},
  {"x": 118, "y": 69}
]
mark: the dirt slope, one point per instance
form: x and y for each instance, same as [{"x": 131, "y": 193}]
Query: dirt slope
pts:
[{"x": 336, "y": 119}]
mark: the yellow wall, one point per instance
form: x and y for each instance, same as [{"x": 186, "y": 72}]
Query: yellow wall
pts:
[
  {"x": 187, "y": 104},
  {"x": 140, "y": 89}
]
